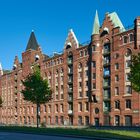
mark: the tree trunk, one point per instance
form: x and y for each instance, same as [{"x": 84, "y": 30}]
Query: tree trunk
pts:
[{"x": 37, "y": 115}]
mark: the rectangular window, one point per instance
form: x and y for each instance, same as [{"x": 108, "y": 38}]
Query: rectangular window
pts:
[
  {"x": 87, "y": 93},
  {"x": 61, "y": 108},
  {"x": 80, "y": 84},
  {"x": 86, "y": 73},
  {"x": 80, "y": 107},
  {"x": 56, "y": 108},
  {"x": 61, "y": 87},
  {"x": 94, "y": 85},
  {"x": 70, "y": 106},
  {"x": 61, "y": 96},
  {"x": 56, "y": 119},
  {"x": 86, "y": 120},
  {"x": 93, "y": 48},
  {"x": 128, "y": 89},
  {"x": 117, "y": 120},
  {"x": 62, "y": 120},
  {"x": 93, "y": 64},
  {"x": 116, "y": 66},
  {"x": 131, "y": 37},
  {"x": 117, "y": 104},
  {"x": 56, "y": 96},
  {"x": 127, "y": 76},
  {"x": 94, "y": 76},
  {"x": 116, "y": 78},
  {"x": 86, "y": 106},
  {"x": 56, "y": 88},
  {"x": 49, "y": 109},
  {"x": 56, "y": 80},
  {"x": 116, "y": 90},
  {"x": 79, "y": 120},
  {"x": 80, "y": 75},
  {"x": 86, "y": 83},
  {"x": 45, "y": 109},
  {"x": 125, "y": 39},
  {"x": 80, "y": 94},
  {"x": 61, "y": 78},
  {"x": 128, "y": 63},
  {"x": 128, "y": 104},
  {"x": 81, "y": 53}
]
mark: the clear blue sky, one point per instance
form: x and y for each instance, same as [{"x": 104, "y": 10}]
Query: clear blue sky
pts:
[{"x": 51, "y": 20}]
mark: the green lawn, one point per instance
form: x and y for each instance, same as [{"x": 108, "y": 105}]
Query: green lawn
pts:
[{"x": 78, "y": 132}]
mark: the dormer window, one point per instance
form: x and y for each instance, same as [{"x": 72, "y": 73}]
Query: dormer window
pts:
[
  {"x": 36, "y": 57},
  {"x": 14, "y": 66},
  {"x": 106, "y": 30},
  {"x": 68, "y": 45}
]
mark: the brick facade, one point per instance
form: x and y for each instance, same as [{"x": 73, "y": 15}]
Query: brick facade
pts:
[{"x": 89, "y": 82}]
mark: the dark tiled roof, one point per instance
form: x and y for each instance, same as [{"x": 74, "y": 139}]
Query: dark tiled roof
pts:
[{"x": 32, "y": 43}]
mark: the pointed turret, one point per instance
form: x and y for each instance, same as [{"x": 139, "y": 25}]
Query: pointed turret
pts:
[
  {"x": 1, "y": 71},
  {"x": 96, "y": 25},
  {"x": 32, "y": 43}
]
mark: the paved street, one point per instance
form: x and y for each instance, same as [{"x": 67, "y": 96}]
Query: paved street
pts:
[{"x": 20, "y": 136}]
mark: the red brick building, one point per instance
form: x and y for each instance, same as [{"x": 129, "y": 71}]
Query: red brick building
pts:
[{"x": 89, "y": 82}]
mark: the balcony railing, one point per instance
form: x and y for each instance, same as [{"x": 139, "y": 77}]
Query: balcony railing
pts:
[
  {"x": 106, "y": 52},
  {"x": 106, "y": 62},
  {"x": 106, "y": 109},
  {"x": 70, "y": 90},
  {"x": 70, "y": 72},
  {"x": 69, "y": 61},
  {"x": 106, "y": 97},
  {"x": 70, "y": 81},
  {"x": 70, "y": 98},
  {"x": 106, "y": 84}
]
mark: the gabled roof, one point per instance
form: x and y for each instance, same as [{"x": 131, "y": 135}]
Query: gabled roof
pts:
[
  {"x": 96, "y": 25},
  {"x": 116, "y": 21},
  {"x": 32, "y": 43},
  {"x": 71, "y": 38}
]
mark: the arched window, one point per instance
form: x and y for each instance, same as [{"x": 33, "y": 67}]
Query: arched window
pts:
[{"x": 128, "y": 52}]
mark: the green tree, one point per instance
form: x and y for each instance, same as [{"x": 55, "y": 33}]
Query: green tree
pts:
[
  {"x": 36, "y": 90},
  {"x": 135, "y": 72},
  {"x": 0, "y": 101}
]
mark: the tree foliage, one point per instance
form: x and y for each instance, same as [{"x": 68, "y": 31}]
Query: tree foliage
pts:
[
  {"x": 135, "y": 72},
  {"x": 36, "y": 89}
]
